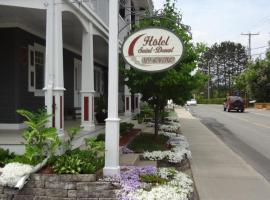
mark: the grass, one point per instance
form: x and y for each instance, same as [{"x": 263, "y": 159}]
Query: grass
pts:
[{"x": 147, "y": 142}]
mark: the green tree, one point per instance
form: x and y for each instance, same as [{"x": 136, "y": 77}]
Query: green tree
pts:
[
  {"x": 222, "y": 62},
  {"x": 256, "y": 79},
  {"x": 175, "y": 83}
]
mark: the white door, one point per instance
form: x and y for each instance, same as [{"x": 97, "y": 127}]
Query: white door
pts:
[{"x": 77, "y": 82}]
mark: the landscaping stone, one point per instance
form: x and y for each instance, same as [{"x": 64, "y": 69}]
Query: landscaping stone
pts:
[
  {"x": 61, "y": 187},
  {"x": 23, "y": 197}
]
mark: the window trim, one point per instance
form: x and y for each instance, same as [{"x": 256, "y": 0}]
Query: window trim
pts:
[{"x": 32, "y": 68}]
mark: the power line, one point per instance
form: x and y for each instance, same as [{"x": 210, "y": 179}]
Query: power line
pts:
[
  {"x": 249, "y": 42},
  {"x": 259, "y": 47},
  {"x": 256, "y": 54}
]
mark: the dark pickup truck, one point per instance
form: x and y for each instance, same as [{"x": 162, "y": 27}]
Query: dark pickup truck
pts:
[{"x": 234, "y": 103}]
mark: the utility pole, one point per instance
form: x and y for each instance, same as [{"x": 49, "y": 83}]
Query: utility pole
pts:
[
  {"x": 208, "y": 86},
  {"x": 249, "y": 42}
]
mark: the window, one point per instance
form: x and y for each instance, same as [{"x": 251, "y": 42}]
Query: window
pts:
[
  {"x": 98, "y": 81},
  {"x": 36, "y": 69}
]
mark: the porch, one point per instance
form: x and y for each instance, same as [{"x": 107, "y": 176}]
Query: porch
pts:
[{"x": 13, "y": 140}]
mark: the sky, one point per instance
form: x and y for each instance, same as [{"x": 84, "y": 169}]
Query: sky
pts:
[{"x": 214, "y": 21}]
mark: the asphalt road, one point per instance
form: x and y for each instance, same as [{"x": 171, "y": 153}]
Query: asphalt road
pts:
[{"x": 248, "y": 133}]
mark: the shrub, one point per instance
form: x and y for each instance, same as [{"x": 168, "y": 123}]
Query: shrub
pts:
[
  {"x": 40, "y": 140},
  {"x": 153, "y": 179},
  {"x": 71, "y": 133},
  {"x": 77, "y": 162},
  {"x": 125, "y": 127},
  {"x": 101, "y": 137},
  {"x": 147, "y": 111},
  {"x": 147, "y": 142},
  {"x": 5, "y": 156},
  {"x": 81, "y": 161},
  {"x": 211, "y": 101}
]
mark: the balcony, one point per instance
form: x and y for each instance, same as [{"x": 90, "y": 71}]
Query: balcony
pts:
[{"x": 101, "y": 8}]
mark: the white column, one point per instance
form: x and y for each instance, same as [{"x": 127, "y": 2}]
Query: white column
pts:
[
  {"x": 58, "y": 89},
  {"x": 54, "y": 80},
  {"x": 112, "y": 122},
  {"x": 49, "y": 61},
  {"x": 87, "y": 92}
]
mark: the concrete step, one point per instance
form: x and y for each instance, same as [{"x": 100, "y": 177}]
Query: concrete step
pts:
[
  {"x": 129, "y": 159},
  {"x": 143, "y": 163}
]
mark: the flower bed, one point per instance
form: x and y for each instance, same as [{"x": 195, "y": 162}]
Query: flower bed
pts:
[
  {"x": 176, "y": 154},
  {"x": 150, "y": 183}
]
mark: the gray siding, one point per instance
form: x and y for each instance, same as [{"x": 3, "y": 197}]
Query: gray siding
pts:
[
  {"x": 7, "y": 84},
  {"x": 14, "y": 74}
]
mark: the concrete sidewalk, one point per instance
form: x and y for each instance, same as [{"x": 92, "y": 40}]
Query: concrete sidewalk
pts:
[{"x": 219, "y": 173}]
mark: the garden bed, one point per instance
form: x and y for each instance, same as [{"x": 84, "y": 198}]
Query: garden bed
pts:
[
  {"x": 125, "y": 139},
  {"x": 147, "y": 142}
]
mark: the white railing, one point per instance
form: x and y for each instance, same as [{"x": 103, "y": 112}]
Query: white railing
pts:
[{"x": 101, "y": 8}]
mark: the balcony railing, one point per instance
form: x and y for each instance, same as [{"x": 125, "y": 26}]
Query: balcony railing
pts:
[{"x": 101, "y": 8}]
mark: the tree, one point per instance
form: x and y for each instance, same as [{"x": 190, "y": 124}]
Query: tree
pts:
[
  {"x": 175, "y": 83},
  {"x": 222, "y": 62},
  {"x": 256, "y": 79}
]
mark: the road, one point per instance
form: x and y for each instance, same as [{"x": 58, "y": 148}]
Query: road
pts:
[{"x": 247, "y": 134}]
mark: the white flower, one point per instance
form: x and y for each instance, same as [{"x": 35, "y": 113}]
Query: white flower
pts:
[
  {"x": 179, "y": 188},
  {"x": 150, "y": 124},
  {"x": 173, "y": 119},
  {"x": 172, "y": 127},
  {"x": 13, "y": 172},
  {"x": 178, "y": 153}
]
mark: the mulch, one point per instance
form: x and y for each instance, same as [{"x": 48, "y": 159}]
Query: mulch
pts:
[{"x": 125, "y": 139}]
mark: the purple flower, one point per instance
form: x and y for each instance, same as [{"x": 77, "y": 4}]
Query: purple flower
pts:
[{"x": 130, "y": 178}]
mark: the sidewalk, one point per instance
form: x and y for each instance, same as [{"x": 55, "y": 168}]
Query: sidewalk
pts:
[{"x": 219, "y": 173}]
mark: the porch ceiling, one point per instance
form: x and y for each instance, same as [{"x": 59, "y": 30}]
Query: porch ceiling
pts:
[{"x": 34, "y": 21}]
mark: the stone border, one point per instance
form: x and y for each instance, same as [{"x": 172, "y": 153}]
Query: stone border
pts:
[{"x": 62, "y": 187}]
